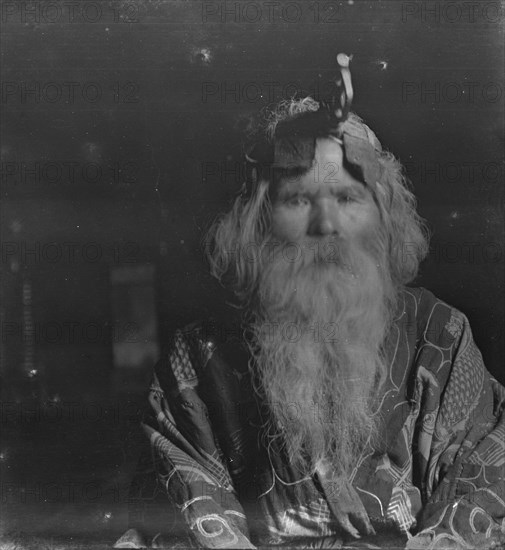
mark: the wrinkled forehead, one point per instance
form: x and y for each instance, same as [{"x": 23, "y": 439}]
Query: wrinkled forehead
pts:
[
  {"x": 329, "y": 149},
  {"x": 328, "y": 169}
]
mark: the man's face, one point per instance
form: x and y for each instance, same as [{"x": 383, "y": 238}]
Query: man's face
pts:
[{"x": 323, "y": 203}]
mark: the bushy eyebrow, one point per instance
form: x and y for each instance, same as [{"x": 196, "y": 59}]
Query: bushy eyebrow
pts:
[
  {"x": 289, "y": 188},
  {"x": 351, "y": 189},
  {"x": 292, "y": 174}
]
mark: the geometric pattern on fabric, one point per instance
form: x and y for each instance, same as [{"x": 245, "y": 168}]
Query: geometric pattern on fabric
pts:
[
  {"x": 399, "y": 510},
  {"x": 180, "y": 359},
  {"x": 211, "y": 471},
  {"x": 464, "y": 386},
  {"x": 492, "y": 452},
  {"x": 304, "y": 521}
]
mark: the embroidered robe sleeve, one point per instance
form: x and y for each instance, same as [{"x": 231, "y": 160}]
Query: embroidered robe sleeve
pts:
[
  {"x": 462, "y": 443},
  {"x": 187, "y": 458}
]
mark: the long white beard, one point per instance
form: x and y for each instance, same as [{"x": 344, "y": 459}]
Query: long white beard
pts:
[{"x": 319, "y": 330}]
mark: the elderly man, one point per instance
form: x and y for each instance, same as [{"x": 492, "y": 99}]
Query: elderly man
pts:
[{"x": 338, "y": 407}]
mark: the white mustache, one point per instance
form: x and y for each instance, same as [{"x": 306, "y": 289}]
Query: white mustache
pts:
[{"x": 332, "y": 252}]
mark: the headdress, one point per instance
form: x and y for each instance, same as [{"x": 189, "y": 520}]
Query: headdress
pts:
[{"x": 294, "y": 141}]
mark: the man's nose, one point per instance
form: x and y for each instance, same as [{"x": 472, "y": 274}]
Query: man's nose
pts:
[{"x": 324, "y": 219}]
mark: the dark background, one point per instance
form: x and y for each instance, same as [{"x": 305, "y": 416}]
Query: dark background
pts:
[{"x": 129, "y": 171}]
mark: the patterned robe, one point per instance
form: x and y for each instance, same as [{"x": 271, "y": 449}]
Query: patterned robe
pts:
[{"x": 435, "y": 477}]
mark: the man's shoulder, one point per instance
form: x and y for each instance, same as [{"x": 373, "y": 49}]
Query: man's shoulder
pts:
[
  {"x": 210, "y": 331},
  {"x": 430, "y": 314},
  {"x": 188, "y": 348}
]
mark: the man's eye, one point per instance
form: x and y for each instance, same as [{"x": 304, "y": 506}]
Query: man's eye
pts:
[
  {"x": 297, "y": 200},
  {"x": 346, "y": 199}
]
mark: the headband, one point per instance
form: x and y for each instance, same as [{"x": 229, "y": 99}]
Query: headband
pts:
[{"x": 294, "y": 141}]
